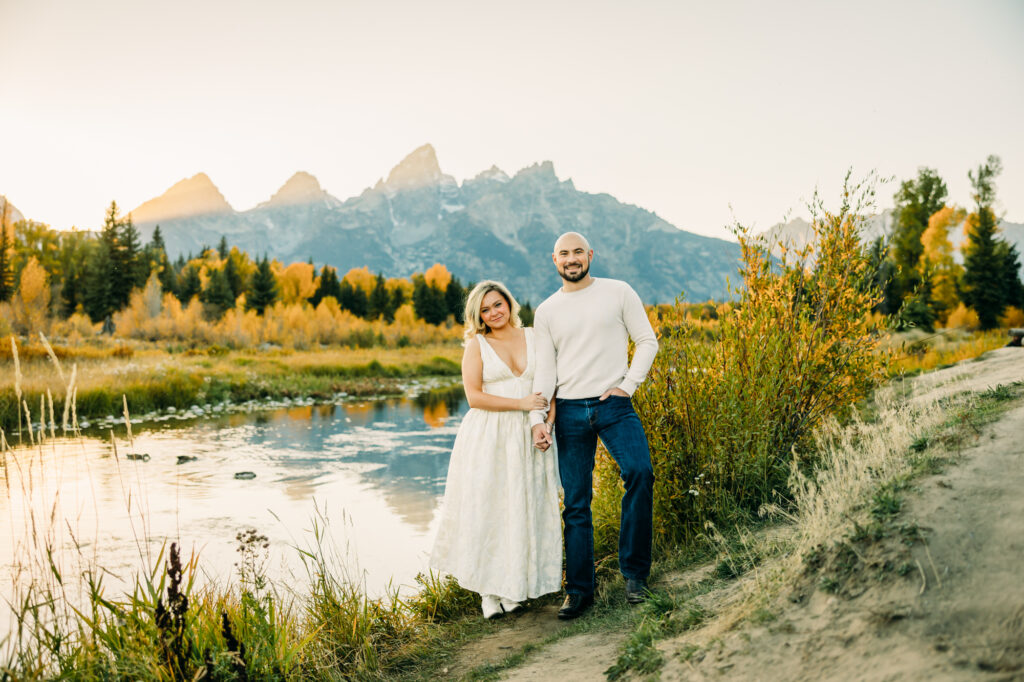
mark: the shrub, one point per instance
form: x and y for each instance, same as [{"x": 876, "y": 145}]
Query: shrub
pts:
[{"x": 725, "y": 416}]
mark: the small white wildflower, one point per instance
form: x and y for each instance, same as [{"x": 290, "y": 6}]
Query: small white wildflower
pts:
[{"x": 694, "y": 492}]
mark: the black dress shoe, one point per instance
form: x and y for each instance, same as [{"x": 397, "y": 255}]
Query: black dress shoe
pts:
[
  {"x": 574, "y": 606},
  {"x": 636, "y": 591}
]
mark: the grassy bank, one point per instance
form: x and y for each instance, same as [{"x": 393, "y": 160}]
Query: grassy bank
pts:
[{"x": 153, "y": 379}]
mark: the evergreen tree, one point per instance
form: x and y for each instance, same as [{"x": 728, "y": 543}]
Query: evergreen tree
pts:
[
  {"x": 233, "y": 276},
  {"x": 134, "y": 268},
  {"x": 455, "y": 299},
  {"x": 6, "y": 278},
  {"x": 881, "y": 277},
  {"x": 329, "y": 286},
  {"x": 916, "y": 201},
  {"x": 217, "y": 295},
  {"x": 168, "y": 278},
  {"x": 526, "y": 314},
  {"x": 157, "y": 242},
  {"x": 984, "y": 281},
  {"x": 397, "y": 299},
  {"x": 264, "y": 288},
  {"x": 190, "y": 285},
  {"x": 353, "y": 299},
  {"x": 1012, "y": 286},
  {"x": 222, "y": 247},
  {"x": 380, "y": 300},
  {"x": 97, "y": 299},
  {"x": 428, "y": 301}
]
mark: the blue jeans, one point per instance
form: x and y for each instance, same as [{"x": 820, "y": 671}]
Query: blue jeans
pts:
[{"x": 578, "y": 425}]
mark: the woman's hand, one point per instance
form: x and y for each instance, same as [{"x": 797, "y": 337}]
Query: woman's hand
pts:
[{"x": 534, "y": 401}]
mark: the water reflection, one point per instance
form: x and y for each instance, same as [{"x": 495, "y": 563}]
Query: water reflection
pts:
[{"x": 380, "y": 465}]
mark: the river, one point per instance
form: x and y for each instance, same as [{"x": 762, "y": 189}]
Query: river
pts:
[{"x": 369, "y": 474}]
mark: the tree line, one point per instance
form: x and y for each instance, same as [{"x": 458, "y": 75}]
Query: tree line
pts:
[
  {"x": 95, "y": 275},
  {"x": 921, "y": 282}
]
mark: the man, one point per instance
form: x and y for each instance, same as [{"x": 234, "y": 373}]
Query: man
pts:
[{"x": 582, "y": 334}]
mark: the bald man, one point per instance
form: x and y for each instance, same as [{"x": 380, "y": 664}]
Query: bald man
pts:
[{"x": 582, "y": 334}]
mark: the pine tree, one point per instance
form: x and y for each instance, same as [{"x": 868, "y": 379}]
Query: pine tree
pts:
[
  {"x": 428, "y": 301},
  {"x": 455, "y": 299},
  {"x": 222, "y": 247},
  {"x": 264, "y": 288},
  {"x": 190, "y": 285},
  {"x": 353, "y": 299},
  {"x": 157, "y": 242},
  {"x": 217, "y": 294},
  {"x": 6, "y": 279},
  {"x": 97, "y": 299},
  {"x": 233, "y": 276},
  {"x": 134, "y": 267},
  {"x": 985, "y": 280},
  {"x": 168, "y": 278},
  {"x": 328, "y": 286},
  {"x": 380, "y": 300}
]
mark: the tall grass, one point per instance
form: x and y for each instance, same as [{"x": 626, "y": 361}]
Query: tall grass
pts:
[{"x": 69, "y": 624}]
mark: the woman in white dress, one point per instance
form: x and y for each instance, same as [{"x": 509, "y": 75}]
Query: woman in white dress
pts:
[{"x": 500, "y": 533}]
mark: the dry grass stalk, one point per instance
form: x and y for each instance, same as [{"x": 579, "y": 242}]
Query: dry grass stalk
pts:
[
  {"x": 68, "y": 398},
  {"x": 28, "y": 418},
  {"x": 17, "y": 380},
  {"x": 53, "y": 424},
  {"x": 128, "y": 422},
  {"x": 53, "y": 356}
]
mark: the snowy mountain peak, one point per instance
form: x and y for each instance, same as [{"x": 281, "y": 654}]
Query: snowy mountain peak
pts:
[
  {"x": 189, "y": 197},
  {"x": 492, "y": 173},
  {"x": 418, "y": 169},
  {"x": 301, "y": 188}
]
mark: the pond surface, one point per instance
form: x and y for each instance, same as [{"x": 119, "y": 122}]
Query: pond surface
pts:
[{"x": 369, "y": 474}]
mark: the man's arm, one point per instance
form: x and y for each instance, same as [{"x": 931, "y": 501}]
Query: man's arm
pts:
[
  {"x": 544, "y": 375},
  {"x": 639, "y": 327}
]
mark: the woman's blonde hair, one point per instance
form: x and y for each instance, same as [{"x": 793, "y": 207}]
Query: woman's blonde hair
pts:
[{"x": 474, "y": 324}]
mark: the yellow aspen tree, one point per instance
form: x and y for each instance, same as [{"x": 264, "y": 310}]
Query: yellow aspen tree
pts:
[
  {"x": 32, "y": 302},
  {"x": 361, "y": 278},
  {"x": 937, "y": 259},
  {"x": 438, "y": 276},
  {"x": 295, "y": 283}
]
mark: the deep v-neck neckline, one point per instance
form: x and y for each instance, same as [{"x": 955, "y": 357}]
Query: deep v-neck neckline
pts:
[{"x": 526, "y": 343}]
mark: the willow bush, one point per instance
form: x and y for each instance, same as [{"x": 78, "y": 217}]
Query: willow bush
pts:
[{"x": 726, "y": 416}]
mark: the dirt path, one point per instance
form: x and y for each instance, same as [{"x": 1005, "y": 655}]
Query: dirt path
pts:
[
  {"x": 945, "y": 604},
  {"x": 957, "y": 614}
]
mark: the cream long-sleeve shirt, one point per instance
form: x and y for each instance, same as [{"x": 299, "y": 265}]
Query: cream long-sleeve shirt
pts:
[{"x": 582, "y": 340}]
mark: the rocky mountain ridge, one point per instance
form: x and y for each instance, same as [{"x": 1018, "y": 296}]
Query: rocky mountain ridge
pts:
[{"x": 491, "y": 226}]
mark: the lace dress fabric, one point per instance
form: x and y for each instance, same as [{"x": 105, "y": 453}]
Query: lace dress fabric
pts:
[{"x": 500, "y": 530}]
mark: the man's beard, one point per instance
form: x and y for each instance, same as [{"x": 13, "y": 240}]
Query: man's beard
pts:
[{"x": 584, "y": 269}]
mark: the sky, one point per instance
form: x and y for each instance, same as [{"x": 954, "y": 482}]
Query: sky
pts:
[{"x": 705, "y": 113}]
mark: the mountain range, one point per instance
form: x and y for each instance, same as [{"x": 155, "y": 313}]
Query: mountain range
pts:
[{"x": 492, "y": 226}]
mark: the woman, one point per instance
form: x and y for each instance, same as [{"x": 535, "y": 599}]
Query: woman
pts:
[{"x": 500, "y": 532}]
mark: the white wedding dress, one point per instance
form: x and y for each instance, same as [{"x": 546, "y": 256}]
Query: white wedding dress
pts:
[{"x": 500, "y": 531}]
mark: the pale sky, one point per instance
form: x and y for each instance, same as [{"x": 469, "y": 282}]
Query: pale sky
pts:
[{"x": 683, "y": 108}]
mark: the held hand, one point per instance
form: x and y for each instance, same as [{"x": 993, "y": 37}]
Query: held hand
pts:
[
  {"x": 534, "y": 401},
  {"x": 613, "y": 391},
  {"x": 541, "y": 437}
]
